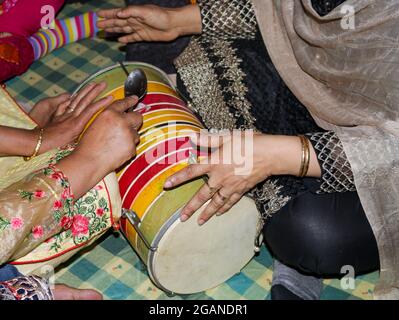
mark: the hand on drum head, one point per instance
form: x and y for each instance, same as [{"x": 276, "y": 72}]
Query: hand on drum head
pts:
[
  {"x": 224, "y": 188},
  {"x": 239, "y": 161},
  {"x": 108, "y": 143},
  {"x": 64, "y": 117},
  {"x": 111, "y": 139}
]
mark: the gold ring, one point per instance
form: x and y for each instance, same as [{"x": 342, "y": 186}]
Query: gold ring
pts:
[
  {"x": 221, "y": 196},
  {"x": 212, "y": 191}
]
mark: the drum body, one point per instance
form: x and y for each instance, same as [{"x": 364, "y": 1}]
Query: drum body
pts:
[{"x": 181, "y": 257}]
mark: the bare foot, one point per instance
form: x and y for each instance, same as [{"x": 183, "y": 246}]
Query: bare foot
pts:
[{"x": 63, "y": 292}]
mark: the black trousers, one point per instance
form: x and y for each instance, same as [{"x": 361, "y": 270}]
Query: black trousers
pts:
[{"x": 318, "y": 234}]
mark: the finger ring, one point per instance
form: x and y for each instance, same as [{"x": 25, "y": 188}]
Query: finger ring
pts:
[
  {"x": 221, "y": 196},
  {"x": 71, "y": 110},
  {"x": 212, "y": 190}
]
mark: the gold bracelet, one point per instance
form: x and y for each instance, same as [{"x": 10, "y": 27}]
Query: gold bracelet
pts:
[
  {"x": 38, "y": 145},
  {"x": 305, "y": 160},
  {"x": 302, "y": 156}
]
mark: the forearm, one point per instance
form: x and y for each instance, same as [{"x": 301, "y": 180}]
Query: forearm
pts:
[
  {"x": 83, "y": 172},
  {"x": 17, "y": 142},
  {"x": 187, "y": 19},
  {"x": 286, "y": 155}
]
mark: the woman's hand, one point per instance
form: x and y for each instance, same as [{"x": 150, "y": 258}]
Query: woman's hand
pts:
[
  {"x": 151, "y": 23},
  {"x": 43, "y": 111},
  {"x": 238, "y": 163},
  {"x": 111, "y": 139},
  {"x": 107, "y": 144},
  {"x": 65, "y": 121},
  {"x": 71, "y": 116}
]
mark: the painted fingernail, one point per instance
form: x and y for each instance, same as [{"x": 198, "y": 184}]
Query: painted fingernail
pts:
[
  {"x": 201, "y": 222},
  {"x": 183, "y": 218},
  {"x": 168, "y": 184}
]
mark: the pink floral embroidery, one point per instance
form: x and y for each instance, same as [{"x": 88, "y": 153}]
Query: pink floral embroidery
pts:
[
  {"x": 17, "y": 223},
  {"x": 80, "y": 225},
  {"x": 98, "y": 187},
  {"x": 100, "y": 212},
  {"x": 66, "y": 222},
  {"x": 57, "y": 205},
  {"x": 65, "y": 194},
  {"x": 55, "y": 176},
  {"x": 39, "y": 194},
  {"x": 37, "y": 232}
]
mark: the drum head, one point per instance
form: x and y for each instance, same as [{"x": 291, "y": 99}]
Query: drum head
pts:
[{"x": 192, "y": 258}]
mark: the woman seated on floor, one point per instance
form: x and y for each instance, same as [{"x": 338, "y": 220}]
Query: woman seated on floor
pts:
[
  {"x": 325, "y": 71},
  {"x": 35, "y": 207}
]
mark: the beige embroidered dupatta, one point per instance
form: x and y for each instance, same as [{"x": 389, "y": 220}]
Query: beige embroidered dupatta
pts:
[{"x": 349, "y": 81}]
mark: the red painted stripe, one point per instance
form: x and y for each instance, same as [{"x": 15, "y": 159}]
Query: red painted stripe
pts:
[
  {"x": 140, "y": 164},
  {"x": 159, "y": 97},
  {"x": 149, "y": 174},
  {"x": 163, "y": 107}
]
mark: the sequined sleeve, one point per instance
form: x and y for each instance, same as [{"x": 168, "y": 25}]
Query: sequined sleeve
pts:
[
  {"x": 228, "y": 19},
  {"x": 31, "y": 211},
  {"x": 336, "y": 174},
  {"x": 26, "y": 288}
]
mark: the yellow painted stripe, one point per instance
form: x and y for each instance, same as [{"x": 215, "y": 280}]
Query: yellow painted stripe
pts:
[
  {"x": 165, "y": 112},
  {"x": 148, "y": 194},
  {"x": 158, "y": 137}
]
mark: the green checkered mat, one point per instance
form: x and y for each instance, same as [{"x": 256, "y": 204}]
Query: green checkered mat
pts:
[{"x": 111, "y": 266}]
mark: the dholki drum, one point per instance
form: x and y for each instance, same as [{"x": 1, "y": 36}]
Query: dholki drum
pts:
[{"x": 181, "y": 257}]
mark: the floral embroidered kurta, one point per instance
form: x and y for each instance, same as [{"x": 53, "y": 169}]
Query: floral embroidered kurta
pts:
[
  {"x": 40, "y": 210},
  {"x": 32, "y": 210}
]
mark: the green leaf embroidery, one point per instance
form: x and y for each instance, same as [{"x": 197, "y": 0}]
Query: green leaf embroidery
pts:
[
  {"x": 82, "y": 210},
  {"x": 57, "y": 214},
  {"x": 4, "y": 223},
  {"x": 89, "y": 200},
  {"x": 47, "y": 171},
  {"x": 26, "y": 194},
  {"x": 102, "y": 203},
  {"x": 80, "y": 239}
]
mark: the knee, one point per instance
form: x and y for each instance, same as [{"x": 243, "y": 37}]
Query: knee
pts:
[{"x": 308, "y": 237}]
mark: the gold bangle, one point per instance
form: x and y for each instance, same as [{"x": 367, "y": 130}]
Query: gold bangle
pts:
[
  {"x": 38, "y": 145},
  {"x": 302, "y": 156},
  {"x": 305, "y": 160}
]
